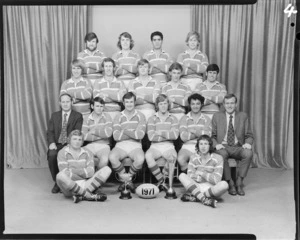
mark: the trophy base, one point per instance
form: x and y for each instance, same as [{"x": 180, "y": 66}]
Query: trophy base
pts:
[
  {"x": 171, "y": 195},
  {"x": 125, "y": 196}
]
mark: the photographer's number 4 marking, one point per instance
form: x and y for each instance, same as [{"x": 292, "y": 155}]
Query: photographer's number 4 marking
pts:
[{"x": 289, "y": 10}]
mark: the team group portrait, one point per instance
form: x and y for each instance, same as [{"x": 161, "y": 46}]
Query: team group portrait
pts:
[{"x": 115, "y": 123}]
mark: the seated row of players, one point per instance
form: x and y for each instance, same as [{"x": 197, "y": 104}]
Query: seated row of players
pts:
[
  {"x": 129, "y": 128},
  {"x": 145, "y": 87},
  {"x": 194, "y": 61}
]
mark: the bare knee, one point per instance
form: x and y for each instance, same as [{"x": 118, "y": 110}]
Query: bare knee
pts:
[
  {"x": 149, "y": 158},
  {"x": 114, "y": 158},
  {"x": 182, "y": 177},
  {"x": 223, "y": 185},
  {"x": 105, "y": 171}
]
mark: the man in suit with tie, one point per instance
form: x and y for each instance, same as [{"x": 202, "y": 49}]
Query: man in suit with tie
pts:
[
  {"x": 232, "y": 137},
  {"x": 61, "y": 124}
]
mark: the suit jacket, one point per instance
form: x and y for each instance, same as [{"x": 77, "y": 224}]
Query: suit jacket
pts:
[
  {"x": 55, "y": 124},
  {"x": 241, "y": 128}
]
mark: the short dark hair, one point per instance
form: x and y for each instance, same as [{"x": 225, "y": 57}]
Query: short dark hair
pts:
[
  {"x": 108, "y": 59},
  {"x": 176, "y": 66},
  {"x": 173, "y": 66},
  {"x": 207, "y": 138},
  {"x": 196, "y": 96},
  {"x": 65, "y": 94},
  {"x": 129, "y": 95},
  {"x": 213, "y": 67},
  {"x": 156, "y": 33},
  {"x": 90, "y": 36},
  {"x": 230, "y": 95},
  {"x": 126, "y": 35},
  {"x": 96, "y": 99}
]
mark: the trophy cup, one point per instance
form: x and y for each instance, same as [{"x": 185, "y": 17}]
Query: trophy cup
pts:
[
  {"x": 171, "y": 194},
  {"x": 125, "y": 194}
]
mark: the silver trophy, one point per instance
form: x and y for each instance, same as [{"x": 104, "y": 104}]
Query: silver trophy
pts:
[
  {"x": 171, "y": 194},
  {"x": 126, "y": 178}
]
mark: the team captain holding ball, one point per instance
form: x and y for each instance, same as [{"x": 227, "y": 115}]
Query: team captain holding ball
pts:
[{"x": 210, "y": 137}]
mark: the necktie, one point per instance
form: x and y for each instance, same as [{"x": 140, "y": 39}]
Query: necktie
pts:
[
  {"x": 63, "y": 134},
  {"x": 230, "y": 133}
]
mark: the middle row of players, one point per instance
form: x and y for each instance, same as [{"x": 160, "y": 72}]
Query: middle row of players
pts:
[{"x": 145, "y": 87}]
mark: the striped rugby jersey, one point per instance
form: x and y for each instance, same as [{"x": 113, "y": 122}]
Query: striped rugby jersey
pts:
[
  {"x": 160, "y": 64},
  {"x": 77, "y": 169},
  {"x": 126, "y": 65},
  {"x": 213, "y": 95},
  {"x": 103, "y": 128},
  {"x": 115, "y": 90},
  {"x": 93, "y": 61},
  {"x": 147, "y": 90},
  {"x": 193, "y": 66},
  {"x": 81, "y": 92},
  {"x": 136, "y": 125},
  {"x": 211, "y": 170},
  {"x": 169, "y": 128},
  {"x": 180, "y": 93},
  {"x": 187, "y": 123}
]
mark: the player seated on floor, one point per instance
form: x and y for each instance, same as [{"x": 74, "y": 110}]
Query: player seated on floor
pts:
[
  {"x": 77, "y": 175},
  {"x": 203, "y": 179},
  {"x": 162, "y": 130},
  {"x": 97, "y": 131},
  {"x": 191, "y": 127},
  {"x": 129, "y": 128}
]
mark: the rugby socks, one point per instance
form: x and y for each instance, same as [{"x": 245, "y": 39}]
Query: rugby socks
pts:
[
  {"x": 156, "y": 173},
  {"x": 98, "y": 179}
]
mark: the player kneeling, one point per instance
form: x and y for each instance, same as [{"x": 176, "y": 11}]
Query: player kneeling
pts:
[
  {"x": 76, "y": 175},
  {"x": 203, "y": 179}
]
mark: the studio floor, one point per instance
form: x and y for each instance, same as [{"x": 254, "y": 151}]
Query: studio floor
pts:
[{"x": 267, "y": 210}]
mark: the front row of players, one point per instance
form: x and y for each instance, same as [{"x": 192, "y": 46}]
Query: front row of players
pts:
[{"x": 201, "y": 168}]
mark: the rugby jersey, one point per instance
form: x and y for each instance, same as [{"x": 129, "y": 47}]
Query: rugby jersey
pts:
[
  {"x": 115, "y": 90},
  {"x": 187, "y": 123},
  {"x": 76, "y": 169},
  {"x": 102, "y": 127},
  {"x": 180, "y": 93},
  {"x": 213, "y": 95},
  {"x": 211, "y": 171},
  {"x": 193, "y": 66},
  {"x": 169, "y": 128},
  {"x": 148, "y": 90},
  {"x": 93, "y": 61},
  {"x": 81, "y": 92},
  {"x": 126, "y": 65},
  {"x": 137, "y": 123},
  {"x": 160, "y": 63}
]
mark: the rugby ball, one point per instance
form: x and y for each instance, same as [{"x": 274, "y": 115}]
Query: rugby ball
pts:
[{"x": 147, "y": 190}]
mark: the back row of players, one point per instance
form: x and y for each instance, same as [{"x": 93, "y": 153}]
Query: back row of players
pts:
[{"x": 108, "y": 86}]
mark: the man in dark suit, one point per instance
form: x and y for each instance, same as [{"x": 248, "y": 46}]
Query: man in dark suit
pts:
[
  {"x": 232, "y": 137},
  {"x": 61, "y": 124}
]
